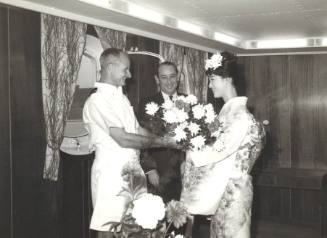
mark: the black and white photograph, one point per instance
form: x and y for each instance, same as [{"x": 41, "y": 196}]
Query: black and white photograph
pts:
[{"x": 163, "y": 119}]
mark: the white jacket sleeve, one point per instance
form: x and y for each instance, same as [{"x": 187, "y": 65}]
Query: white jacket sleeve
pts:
[{"x": 98, "y": 117}]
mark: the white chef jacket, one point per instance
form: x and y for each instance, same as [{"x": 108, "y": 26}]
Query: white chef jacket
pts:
[{"x": 108, "y": 107}]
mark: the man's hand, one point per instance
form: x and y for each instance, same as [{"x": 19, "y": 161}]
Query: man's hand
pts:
[
  {"x": 153, "y": 178},
  {"x": 169, "y": 142}
]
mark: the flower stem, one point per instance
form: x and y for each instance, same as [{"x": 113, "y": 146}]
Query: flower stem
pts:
[{"x": 169, "y": 225}]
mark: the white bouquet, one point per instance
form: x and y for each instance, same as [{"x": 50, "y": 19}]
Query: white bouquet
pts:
[{"x": 190, "y": 123}]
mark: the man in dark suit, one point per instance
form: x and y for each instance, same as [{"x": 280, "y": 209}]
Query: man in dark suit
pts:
[{"x": 162, "y": 166}]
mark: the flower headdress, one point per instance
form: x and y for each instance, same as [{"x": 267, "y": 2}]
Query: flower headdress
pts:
[
  {"x": 214, "y": 62},
  {"x": 220, "y": 64}
]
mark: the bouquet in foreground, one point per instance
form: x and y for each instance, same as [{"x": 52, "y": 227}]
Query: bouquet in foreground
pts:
[
  {"x": 191, "y": 124},
  {"x": 146, "y": 214}
]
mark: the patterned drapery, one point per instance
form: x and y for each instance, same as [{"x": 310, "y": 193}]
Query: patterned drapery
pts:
[
  {"x": 190, "y": 63},
  {"x": 111, "y": 38},
  {"x": 63, "y": 43},
  {"x": 197, "y": 79}
]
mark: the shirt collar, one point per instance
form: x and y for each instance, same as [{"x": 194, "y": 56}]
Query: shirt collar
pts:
[
  {"x": 108, "y": 89},
  {"x": 166, "y": 96}
]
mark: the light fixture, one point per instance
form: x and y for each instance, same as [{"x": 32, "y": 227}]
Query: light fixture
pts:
[
  {"x": 189, "y": 27},
  {"x": 274, "y": 44},
  {"x": 324, "y": 42},
  {"x": 225, "y": 38},
  {"x": 145, "y": 13},
  {"x": 99, "y": 3}
]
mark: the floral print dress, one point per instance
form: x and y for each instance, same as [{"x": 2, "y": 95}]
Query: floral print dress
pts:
[{"x": 216, "y": 181}]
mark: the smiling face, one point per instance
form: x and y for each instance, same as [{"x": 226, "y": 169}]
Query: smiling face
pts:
[
  {"x": 218, "y": 85},
  {"x": 167, "y": 79}
]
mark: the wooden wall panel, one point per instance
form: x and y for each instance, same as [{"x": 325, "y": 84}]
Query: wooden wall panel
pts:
[
  {"x": 305, "y": 206},
  {"x": 319, "y": 101},
  {"x": 290, "y": 92},
  {"x": 302, "y": 127},
  {"x": 268, "y": 92},
  {"x": 5, "y": 159},
  {"x": 77, "y": 204},
  {"x": 34, "y": 203},
  {"x": 272, "y": 203},
  {"x": 308, "y": 90}
]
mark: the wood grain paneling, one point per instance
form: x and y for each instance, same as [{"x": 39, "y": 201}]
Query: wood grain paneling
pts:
[
  {"x": 290, "y": 92},
  {"x": 302, "y": 127},
  {"x": 308, "y": 76},
  {"x": 268, "y": 92},
  {"x": 271, "y": 203},
  {"x": 319, "y": 100},
  {"x": 34, "y": 200},
  {"x": 5, "y": 168},
  {"x": 305, "y": 206}
]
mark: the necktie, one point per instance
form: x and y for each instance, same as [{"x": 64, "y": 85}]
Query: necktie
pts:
[{"x": 171, "y": 97}]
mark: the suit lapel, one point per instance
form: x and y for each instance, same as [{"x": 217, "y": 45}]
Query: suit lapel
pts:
[{"x": 159, "y": 98}]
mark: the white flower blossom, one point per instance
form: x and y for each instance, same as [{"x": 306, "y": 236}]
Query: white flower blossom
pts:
[
  {"x": 181, "y": 98},
  {"x": 198, "y": 111},
  {"x": 191, "y": 99},
  {"x": 194, "y": 128},
  {"x": 151, "y": 108},
  {"x": 214, "y": 62},
  {"x": 148, "y": 210},
  {"x": 180, "y": 133},
  {"x": 170, "y": 116},
  {"x": 210, "y": 117},
  {"x": 167, "y": 105},
  {"x": 181, "y": 115},
  {"x": 208, "y": 107},
  {"x": 210, "y": 113},
  {"x": 198, "y": 142},
  {"x": 176, "y": 236}
]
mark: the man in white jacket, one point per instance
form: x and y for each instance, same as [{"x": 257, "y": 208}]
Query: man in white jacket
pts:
[{"x": 116, "y": 136}]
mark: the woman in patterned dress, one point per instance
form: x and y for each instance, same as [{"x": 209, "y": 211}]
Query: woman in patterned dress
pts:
[{"x": 216, "y": 182}]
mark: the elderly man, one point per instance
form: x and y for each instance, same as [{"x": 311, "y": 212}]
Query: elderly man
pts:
[{"x": 116, "y": 136}]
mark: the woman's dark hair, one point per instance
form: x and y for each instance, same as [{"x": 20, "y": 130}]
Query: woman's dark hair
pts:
[
  {"x": 230, "y": 68},
  {"x": 227, "y": 68}
]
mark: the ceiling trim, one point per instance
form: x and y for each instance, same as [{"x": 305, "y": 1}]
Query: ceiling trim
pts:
[
  {"x": 284, "y": 53},
  {"x": 89, "y": 20},
  {"x": 145, "y": 28}
]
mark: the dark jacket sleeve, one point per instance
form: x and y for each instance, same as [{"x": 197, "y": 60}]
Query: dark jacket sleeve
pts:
[
  {"x": 147, "y": 161},
  {"x": 141, "y": 115}
]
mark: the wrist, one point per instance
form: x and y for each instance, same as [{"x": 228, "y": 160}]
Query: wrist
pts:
[{"x": 157, "y": 141}]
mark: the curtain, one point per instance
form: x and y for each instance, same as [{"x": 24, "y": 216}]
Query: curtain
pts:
[
  {"x": 111, "y": 38},
  {"x": 197, "y": 79},
  {"x": 62, "y": 46},
  {"x": 190, "y": 63}
]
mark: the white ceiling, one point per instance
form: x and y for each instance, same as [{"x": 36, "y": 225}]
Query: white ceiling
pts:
[{"x": 245, "y": 20}]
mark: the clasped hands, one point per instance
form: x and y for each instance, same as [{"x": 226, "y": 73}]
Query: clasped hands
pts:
[{"x": 170, "y": 142}]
